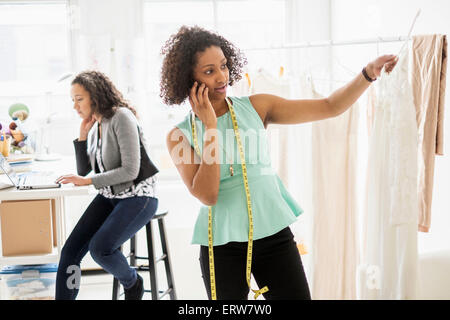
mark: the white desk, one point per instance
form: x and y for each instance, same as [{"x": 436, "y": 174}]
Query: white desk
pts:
[{"x": 64, "y": 166}]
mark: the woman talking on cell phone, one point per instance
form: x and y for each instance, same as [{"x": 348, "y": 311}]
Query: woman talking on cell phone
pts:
[
  {"x": 243, "y": 228},
  {"x": 112, "y": 145}
]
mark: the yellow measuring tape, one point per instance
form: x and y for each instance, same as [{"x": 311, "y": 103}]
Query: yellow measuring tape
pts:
[{"x": 249, "y": 209}]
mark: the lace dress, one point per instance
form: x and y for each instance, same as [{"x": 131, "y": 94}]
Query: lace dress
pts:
[{"x": 389, "y": 251}]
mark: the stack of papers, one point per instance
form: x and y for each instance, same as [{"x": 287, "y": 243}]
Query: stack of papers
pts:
[
  {"x": 20, "y": 158},
  {"x": 21, "y": 162}
]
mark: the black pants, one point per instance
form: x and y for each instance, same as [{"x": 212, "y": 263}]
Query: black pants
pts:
[{"x": 276, "y": 263}]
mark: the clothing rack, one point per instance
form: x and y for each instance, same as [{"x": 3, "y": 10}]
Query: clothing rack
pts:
[{"x": 331, "y": 43}]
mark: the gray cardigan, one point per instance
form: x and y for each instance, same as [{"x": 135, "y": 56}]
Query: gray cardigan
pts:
[{"x": 120, "y": 151}]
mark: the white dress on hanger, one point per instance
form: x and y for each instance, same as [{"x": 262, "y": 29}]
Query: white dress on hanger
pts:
[
  {"x": 388, "y": 268},
  {"x": 290, "y": 148},
  {"x": 334, "y": 233},
  {"x": 278, "y": 135}
]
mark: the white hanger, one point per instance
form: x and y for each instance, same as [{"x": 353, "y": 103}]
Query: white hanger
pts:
[{"x": 409, "y": 33}]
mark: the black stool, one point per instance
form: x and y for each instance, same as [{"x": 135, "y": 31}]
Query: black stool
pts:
[{"x": 151, "y": 267}]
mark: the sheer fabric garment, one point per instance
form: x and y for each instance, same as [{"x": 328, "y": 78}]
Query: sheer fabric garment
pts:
[{"x": 389, "y": 250}]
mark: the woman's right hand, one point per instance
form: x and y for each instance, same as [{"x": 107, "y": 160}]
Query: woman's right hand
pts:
[
  {"x": 201, "y": 105},
  {"x": 85, "y": 126}
]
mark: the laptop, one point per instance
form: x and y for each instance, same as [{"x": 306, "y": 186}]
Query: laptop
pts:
[{"x": 28, "y": 181}]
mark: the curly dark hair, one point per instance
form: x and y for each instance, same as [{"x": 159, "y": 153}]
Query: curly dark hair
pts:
[
  {"x": 180, "y": 58},
  {"x": 105, "y": 97}
]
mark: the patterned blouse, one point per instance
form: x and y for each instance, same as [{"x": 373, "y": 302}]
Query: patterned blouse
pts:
[{"x": 145, "y": 188}]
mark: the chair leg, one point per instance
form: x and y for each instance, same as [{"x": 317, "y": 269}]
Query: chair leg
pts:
[
  {"x": 151, "y": 261},
  {"x": 116, "y": 286},
  {"x": 115, "y": 293},
  {"x": 133, "y": 251},
  {"x": 165, "y": 250}
]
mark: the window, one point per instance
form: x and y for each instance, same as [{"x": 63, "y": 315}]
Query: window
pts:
[
  {"x": 264, "y": 25},
  {"x": 34, "y": 55},
  {"x": 33, "y": 44}
]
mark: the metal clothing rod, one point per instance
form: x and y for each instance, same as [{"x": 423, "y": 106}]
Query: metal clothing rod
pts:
[{"x": 331, "y": 43}]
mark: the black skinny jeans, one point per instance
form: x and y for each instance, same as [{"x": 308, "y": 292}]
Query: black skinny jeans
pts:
[{"x": 276, "y": 263}]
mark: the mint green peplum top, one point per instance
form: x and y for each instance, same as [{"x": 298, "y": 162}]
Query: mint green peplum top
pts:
[{"x": 273, "y": 208}]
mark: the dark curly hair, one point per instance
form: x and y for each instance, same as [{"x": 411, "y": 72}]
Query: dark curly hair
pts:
[
  {"x": 180, "y": 58},
  {"x": 105, "y": 97}
]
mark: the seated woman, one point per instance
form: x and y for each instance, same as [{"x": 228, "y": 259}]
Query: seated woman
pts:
[{"x": 124, "y": 176}]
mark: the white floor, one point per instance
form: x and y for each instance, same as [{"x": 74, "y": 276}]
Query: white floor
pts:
[
  {"x": 99, "y": 287},
  {"x": 96, "y": 288}
]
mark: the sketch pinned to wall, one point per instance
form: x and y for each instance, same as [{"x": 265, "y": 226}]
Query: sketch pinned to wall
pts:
[
  {"x": 130, "y": 67},
  {"x": 95, "y": 53},
  {"x": 130, "y": 64}
]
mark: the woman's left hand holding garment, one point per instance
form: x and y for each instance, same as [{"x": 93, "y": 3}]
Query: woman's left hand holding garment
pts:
[{"x": 374, "y": 68}]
